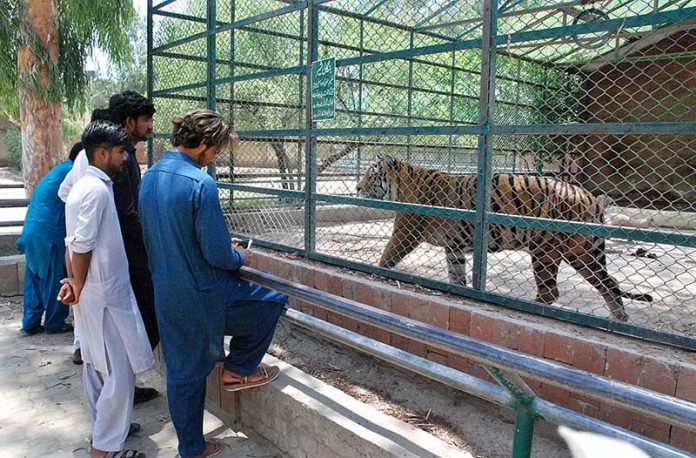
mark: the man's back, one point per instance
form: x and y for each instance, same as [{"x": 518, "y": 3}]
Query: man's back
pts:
[
  {"x": 185, "y": 232},
  {"x": 44, "y": 224}
]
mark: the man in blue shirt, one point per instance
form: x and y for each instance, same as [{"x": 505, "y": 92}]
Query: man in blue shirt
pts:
[
  {"x": 42, "y": 242},
  {"x": 198, "y": 296}
]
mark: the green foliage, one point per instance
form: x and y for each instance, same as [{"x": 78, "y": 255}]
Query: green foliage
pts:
[
  {"x": 558, "y": 100},
  {"x": 14, "y": 147},
  {"x": 131, "y": 75},
  {"x": 84, "y": 26}
]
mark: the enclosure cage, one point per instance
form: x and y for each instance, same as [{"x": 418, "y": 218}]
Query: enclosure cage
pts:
[{"x": 539, "y": 154}]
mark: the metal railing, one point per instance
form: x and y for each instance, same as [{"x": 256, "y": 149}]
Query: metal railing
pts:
[{"x": 505, "y": 366}]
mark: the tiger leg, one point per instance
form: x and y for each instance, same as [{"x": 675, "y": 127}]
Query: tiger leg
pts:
[
  {"x": 456, "y": 265},
  {"x": 594, "y": 270},
  {"x": 545, "y": 263},
  {"x": 405, "y": 238}
]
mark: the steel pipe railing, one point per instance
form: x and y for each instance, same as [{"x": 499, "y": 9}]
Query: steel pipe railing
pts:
[{"x": 656, "y": 405}]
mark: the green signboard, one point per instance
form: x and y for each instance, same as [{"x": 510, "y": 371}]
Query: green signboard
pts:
[{"x": 324, "y": 89}]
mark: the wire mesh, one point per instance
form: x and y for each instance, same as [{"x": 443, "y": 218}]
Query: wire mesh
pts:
[{"x": 586, "y": 143}]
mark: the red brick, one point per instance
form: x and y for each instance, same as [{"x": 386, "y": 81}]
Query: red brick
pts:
[
  {"x": 506, "y": 334},
  {"x": 271, "y": 263},
  {"x": 321, "y": 281},
  {"x": 615, "y": 415},
  {"x": 622, "y": 365},
  {"x": 336, "y": 285},
  {"x": 532, "y": 341},
  {"x": 478, "y": 371},
  {"x": 333, "y": 318},
  {"x": 683, "y": 439},
  {"x": 348, "y": 291},
  {"x": 555, "y": 394},
  {"x": 590, "y": 357},
  {"x": 459, "y": 363},
  {"x": 559, "y": 348},
  {"x": 482, "y": 327},
  {"x": 308, "y": 277},
  {"x": 292, "y": 303},
  {"x": 402, "y": 304},
  {"x": 409, "y": 345},
  {"x": 364, "y": 293},
  {"x": 658, "y": 376},
  {"x": 437, "y": 355},
  {"x": 434, "y": 313},
  {"x": 686, "y": 384},
  {"x": 650, "y": 427},
  {"x": 376, "y": 333},
  {"x": 320, "y": 313},
  {"x": 584, "y": 404},
  {"x": 382, "y": 299},
  {"x": 296, "y": 273},
  {"x": 260, "y": 263},
  {"x": 459, "y": 320},
  {"x": 535, "y": 385},
  {"x": 283, "y": 270}
]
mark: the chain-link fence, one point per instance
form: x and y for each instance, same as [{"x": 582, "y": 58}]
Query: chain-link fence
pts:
[{"x": 539, "y": 154}]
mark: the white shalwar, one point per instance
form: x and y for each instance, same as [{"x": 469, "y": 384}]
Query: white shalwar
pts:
[
  {"x": 112, "y": 335},
  {"x": 76, "y": 172}
]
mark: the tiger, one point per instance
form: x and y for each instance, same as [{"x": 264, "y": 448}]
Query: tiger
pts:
[{"x": 515, "y": 194}]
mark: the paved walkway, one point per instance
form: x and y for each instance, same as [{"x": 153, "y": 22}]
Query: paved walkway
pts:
[{"x": 42, "y": 412}]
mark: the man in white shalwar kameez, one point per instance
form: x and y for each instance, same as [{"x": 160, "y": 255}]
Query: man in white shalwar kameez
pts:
[{"x": 114, "y": 343}]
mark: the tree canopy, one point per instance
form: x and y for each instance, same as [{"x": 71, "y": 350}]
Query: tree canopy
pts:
[{"x": 84, "y": 26}]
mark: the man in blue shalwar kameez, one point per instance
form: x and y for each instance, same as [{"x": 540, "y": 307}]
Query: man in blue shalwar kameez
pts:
[
  {"x": 43, "y": 245},
  {"x": 198, "y": 296}
]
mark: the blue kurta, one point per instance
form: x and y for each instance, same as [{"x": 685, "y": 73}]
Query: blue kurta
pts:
[
  {"x": 42, "y": 242},
  {"x": 44, "y": 224},
  {"x": 193, "y": 265}
]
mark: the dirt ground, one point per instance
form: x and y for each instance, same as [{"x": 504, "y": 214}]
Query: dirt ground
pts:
[
  {"x": 459, "y": 419},
  {"x": 42, "y": 410}
]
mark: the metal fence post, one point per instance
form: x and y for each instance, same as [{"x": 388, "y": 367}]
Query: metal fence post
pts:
[
  {"x": 211, "y": 62},
  {"x": 483, "y": 181},
  {"x": 150, "y": 76},
  {"x": 310, "y": 140}
]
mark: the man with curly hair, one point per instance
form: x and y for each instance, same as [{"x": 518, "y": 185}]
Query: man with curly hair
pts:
[{"x": 199, "y": 296}]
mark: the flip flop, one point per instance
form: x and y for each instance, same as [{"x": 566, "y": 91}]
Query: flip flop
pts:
[
  {"x": 268, "y": 374},
  {"x": 215, "y": 445}
]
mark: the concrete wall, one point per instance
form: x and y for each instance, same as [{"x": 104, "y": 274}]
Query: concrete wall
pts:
[
  {"x": 655, "y": 367},
  {"x": 646, "y": 171}
]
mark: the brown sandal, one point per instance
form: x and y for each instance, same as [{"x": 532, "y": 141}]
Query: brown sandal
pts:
[
  {"x": 215, "y": 446},
  {"x": 268, "y": 374}
]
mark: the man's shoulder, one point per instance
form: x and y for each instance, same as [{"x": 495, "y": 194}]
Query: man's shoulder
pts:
[
  {"x": 89, "y": 186},
  {"x": 178, "y": 167}
]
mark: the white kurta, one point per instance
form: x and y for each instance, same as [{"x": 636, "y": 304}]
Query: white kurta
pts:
[
  {"x": 92, "y": 225},
  {"x": 76, "y": 172}
]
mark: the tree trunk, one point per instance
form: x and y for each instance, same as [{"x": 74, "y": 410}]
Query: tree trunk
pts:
[{"x": 39, "y": 98}]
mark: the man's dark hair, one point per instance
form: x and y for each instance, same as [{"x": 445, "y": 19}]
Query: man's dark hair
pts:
[
  {"x": 199, "y": 126},
  {"x": 100, "y": 114},
  {"x": 75, "y": 150},
  {"x": 129, "y": 104},
  {"x": 102, "y": 134}
]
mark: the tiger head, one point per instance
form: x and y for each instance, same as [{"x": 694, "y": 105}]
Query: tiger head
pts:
[{"x": 374, "y": 183}]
